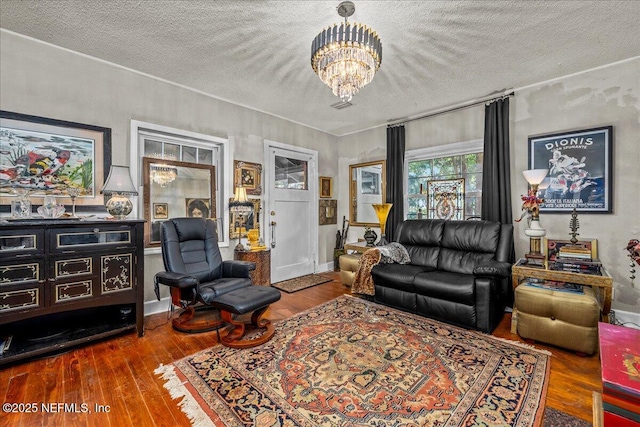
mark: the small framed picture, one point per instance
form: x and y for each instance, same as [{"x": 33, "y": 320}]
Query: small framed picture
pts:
[
  {"x": 198, "y": 208},
  {"x": 248, "y": 175},
  {"x": 326, "y": 187},
  {"x": 160, "y": 210}
]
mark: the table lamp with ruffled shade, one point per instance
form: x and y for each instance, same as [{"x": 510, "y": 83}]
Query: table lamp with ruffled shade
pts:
[
  {"x": 532, "y": 202},
  {"x": 382, "y": 212}
]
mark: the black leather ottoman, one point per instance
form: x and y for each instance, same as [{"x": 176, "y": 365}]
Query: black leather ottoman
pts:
[{"x": 251, "y": 299}]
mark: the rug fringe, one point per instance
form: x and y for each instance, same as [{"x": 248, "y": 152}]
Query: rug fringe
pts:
[
  {"x": 177, "y": 390},
  {"x": 521, "y": 344}
]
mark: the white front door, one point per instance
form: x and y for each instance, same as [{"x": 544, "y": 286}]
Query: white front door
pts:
[{"x": 291, "y": 177}]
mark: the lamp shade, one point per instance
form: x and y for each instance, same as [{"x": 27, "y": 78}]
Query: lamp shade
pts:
[
  {"x": 535, "y": 176},
  {"x": 119, "y": 181},
  {"x": 240, "y": 195}
]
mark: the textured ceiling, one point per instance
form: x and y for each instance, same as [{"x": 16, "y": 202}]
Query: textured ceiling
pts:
[{"x": 257, "y": 53}]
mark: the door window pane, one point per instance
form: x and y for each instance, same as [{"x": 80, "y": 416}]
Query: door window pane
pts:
[{"x": 291, "y": 173}]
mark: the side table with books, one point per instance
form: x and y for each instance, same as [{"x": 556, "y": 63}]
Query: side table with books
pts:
[{"x": 559, "y": 306}]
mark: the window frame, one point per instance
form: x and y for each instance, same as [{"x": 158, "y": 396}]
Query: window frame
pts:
[
  {"x": 221, "y": 160},
  {"x": 438, "y": 151}
]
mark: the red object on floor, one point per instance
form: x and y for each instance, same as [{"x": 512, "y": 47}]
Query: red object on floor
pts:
[
  {"x": 620, "y": 363},
  {"x": 613, "y": 420}
]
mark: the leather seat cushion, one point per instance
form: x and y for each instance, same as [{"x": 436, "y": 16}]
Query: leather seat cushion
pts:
[
  {"x": 247, "y": 300},
  {"x": 397, "y": 276},
  {"x": 211, "y": 290},
  {"x": 444, "y": 285}
]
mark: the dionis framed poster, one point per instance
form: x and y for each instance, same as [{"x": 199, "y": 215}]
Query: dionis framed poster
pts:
[{"x": 579, "y": 164}]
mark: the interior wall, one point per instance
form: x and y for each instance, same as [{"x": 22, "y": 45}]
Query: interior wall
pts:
[
  {"x": 43, "y": 80},
  {"x": 600, "y": 97}
]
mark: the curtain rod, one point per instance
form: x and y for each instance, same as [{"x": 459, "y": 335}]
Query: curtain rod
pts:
[{"x": 449, "y": 110}]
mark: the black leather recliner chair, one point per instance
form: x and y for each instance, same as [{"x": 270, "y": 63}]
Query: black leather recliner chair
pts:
[
  {"x": 196, "y": 274},
  {"x": 459, "y": 273}
]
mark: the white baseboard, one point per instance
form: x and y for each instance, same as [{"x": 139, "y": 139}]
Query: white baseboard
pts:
[
  {"x": 628, "y": 318},
  {"x": 323, "y": 268},
  {"x": 155, "y": 306}
]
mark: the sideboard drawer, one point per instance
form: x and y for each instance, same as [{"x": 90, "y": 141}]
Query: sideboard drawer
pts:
[
  {"x": 91, "y": 239},
  {"x": 20, "y": 271},
  {"x": 13, "y": 298},
  {"x": 21, "y": 243}
]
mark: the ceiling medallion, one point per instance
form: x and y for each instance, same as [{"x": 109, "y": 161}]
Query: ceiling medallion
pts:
[{"x": 346, "y": 57}]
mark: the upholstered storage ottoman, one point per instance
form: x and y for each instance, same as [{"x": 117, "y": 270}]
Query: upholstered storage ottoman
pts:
[
  {"x": 348, "y": 268},
  {"x": 565, "y": 319}
]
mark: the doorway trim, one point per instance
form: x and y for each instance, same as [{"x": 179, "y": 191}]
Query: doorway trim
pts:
[{"x": 313, "y": 188}]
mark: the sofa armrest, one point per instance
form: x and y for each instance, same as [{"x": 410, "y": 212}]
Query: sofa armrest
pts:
[
  {"x": 235, "y": 268},
  {"x": 497, "y": 269}
]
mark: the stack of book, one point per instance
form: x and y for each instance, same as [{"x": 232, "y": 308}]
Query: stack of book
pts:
[
  {"x": 571, "y": 252},
  {"x": 576, "y": 259},
  {"x": 554, "y": 285},
  {"x": 592, "y": 266},
  {"x": 619, "y": 355}
]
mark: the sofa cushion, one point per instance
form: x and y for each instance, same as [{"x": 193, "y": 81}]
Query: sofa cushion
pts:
[
  {"x": 397, "y": 276},
  {"x": 461, "y": 261},
  {"x": 444, "y": 285},
  {"x": 465, "y": 244},
  {"x": 421, "y": 238},
  {"x": 471, "y": 236}
]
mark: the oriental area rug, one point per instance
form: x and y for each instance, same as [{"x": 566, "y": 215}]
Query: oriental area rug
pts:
[
  {"x": 300, "y": 283},
  {"x": 350, "y": 362}
]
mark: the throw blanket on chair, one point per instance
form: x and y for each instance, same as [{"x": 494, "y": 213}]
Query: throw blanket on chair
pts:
[{"x": 393, "y": 252}]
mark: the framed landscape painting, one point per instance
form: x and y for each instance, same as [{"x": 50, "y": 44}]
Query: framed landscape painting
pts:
[
  {"x": 580, "y": 169},
  {"x": 47, "y": 156}
]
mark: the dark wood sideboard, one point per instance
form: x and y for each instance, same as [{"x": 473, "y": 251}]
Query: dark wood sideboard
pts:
[{"x": 67, "y": 282}]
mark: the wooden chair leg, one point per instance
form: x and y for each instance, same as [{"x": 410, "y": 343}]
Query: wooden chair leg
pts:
[
  {"x": 185, "y": 321},
  {"x": 233, "y": 338}
]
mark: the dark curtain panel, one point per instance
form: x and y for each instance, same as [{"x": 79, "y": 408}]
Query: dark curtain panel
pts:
[
  {"x": 395, "y": 176},
  {"x": 496, "y": 175}
]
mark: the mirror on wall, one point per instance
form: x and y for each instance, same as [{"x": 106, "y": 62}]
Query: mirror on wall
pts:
[
  {"x": 367, "y": 186},
  {"x": 175, "y": 189}
]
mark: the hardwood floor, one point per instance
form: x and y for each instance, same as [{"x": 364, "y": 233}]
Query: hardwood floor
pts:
[{"x": 118, "y": 374}]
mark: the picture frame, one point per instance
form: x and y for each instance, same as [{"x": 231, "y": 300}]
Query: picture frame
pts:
[
  {"x": 251, "y": 222},
  {"x": 580, "y": 169},
  {"x": 327, "y": 212},
  {"x": 326, "y": 187},
  {"x": 198, "y": 207},
  {"x": 249, "y": 176},
  {"x": 552, "y": 247},
  {"x": 48, "y": 156},
  {"x": 161, "y": 210}
]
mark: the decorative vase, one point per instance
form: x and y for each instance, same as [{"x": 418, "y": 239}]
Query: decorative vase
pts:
[
  {"x": 370, "y": 237},
  {"x": 49, "y": 208},
  {"x": 382, "y": 212},
  {"x": 21, "y": 207}
]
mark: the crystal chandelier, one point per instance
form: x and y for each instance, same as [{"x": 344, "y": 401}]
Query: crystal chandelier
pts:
[
  {"x": 346, "y": 57},
  {"x": 163, "y": 174}
]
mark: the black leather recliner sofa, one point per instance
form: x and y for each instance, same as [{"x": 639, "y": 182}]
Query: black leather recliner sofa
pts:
[{"x": 459, "y": 272}]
